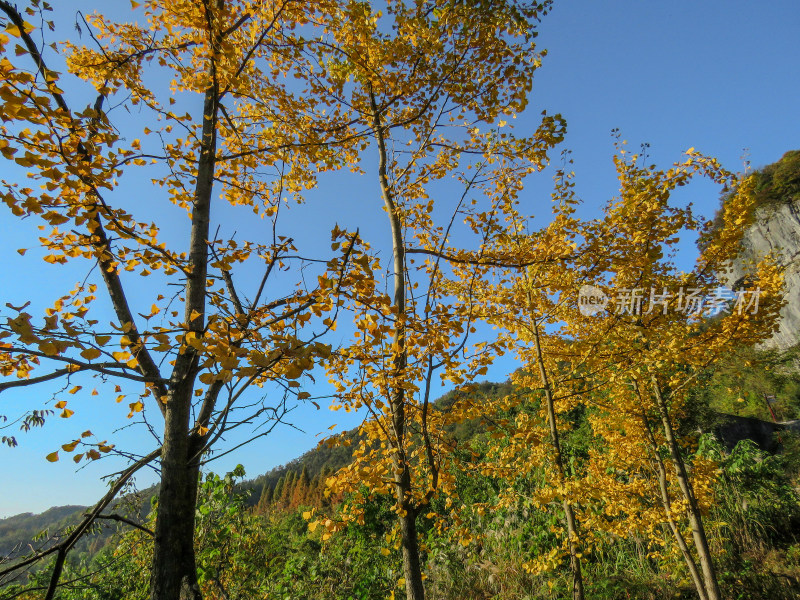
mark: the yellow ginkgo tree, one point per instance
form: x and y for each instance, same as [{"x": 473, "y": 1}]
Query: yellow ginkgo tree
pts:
[
  {"x": 659, "y": 329},
  {"x": 436, "y": 86},
  {"x": 187, "y": 348},
  {"x": 602, "y": 320}
]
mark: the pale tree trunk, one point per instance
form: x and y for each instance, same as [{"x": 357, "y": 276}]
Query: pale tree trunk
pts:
[
  {"x": 666, "y": 503},
  {"x": 695, "y": 518},
  {"x": 676, "y": 533},
  {"x": 412, "y": 567},
  {"x": 569, "y": 513}
]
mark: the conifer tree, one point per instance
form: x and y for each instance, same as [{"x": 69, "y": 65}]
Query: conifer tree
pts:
[
  {"x": 301, "y": 489},
  {"x": 277, "y": 493},
  {"x": 265, "y": 499}
]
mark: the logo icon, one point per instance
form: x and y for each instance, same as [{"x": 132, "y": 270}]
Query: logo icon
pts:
[{"x": 591, "y": 300}]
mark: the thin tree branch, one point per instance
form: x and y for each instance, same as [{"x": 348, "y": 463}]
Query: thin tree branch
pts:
[
  {"x": 488, "y": 262},
  {"x": 78, "y": 366},
  {"x": 122, "y": 519},
  {"x": 88, "y": 519}
]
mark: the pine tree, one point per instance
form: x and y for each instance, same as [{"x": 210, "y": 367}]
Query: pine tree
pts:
[
  {"x": 300, "y": 492},
  {"x": 265, "y": 499},
  {"x": 277, "y": 493},
  {"x": 289, "y": 483}
]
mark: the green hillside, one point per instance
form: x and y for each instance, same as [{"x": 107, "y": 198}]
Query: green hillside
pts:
[{"x": 19, "y": 531}]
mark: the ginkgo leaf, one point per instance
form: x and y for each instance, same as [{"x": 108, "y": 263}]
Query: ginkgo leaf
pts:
[
  {"x": 48, "y": 348},
  {"x": 52, "y": 457},
  {"x": 90, "y": 353}
]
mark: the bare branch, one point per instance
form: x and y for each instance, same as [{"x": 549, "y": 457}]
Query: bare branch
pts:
[
  {"x": 25, "y": 382},
  {"x": 88, "y": 519},
  {"x": 486, "y": 262},
  {"x": 122, "y": 519}
]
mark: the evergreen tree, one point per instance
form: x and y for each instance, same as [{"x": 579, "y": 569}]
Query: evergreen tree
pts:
[
  {"x": 288, "y": 488},
  {"x": 300, "y": 492},
  {"x": 277, "y": 492},
  {"x": 265, "y": 500}
]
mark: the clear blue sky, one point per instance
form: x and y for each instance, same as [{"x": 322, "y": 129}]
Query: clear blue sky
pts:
[{"x": 717, "y": 75}]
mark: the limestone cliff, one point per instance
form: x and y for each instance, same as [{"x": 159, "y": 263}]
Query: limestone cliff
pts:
[{"x": 776, "y": 228}]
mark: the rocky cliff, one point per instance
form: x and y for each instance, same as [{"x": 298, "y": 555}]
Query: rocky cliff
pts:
[{"x": 776, "y": 228}]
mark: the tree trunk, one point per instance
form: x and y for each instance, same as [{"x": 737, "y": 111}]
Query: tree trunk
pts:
[
  {"x": 412, "y": 565},
  {"x": 695, "y": 518},
  {"x": 174, "y": 572},
  {"x": 676, "y": 533},
  {"x": 569, "y": 513},
  {"x": 666, "y": 503}
]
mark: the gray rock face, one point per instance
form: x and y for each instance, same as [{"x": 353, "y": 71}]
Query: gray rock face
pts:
[
  {"x": 732, "y": 429},
  {"x": 776, "y": 228}
]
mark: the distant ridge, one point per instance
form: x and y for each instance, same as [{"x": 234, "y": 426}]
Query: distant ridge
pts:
[{"x": 17, "y": 532}]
